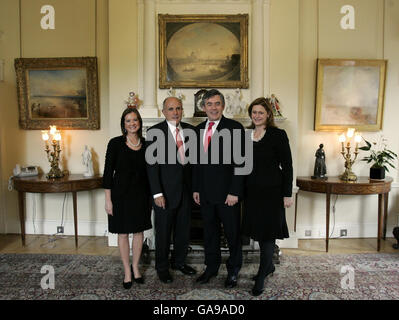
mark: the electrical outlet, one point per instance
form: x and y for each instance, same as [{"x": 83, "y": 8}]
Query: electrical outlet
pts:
[
  {"x": 60, "y": 229},
  {"x": 308, "y": 233},
  {"x": 344, "y": 232}
]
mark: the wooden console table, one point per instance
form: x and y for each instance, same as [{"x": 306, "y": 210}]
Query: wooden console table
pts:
[
  {"x": 362, "y": 186},
  {"x": 40, "y": 184}
]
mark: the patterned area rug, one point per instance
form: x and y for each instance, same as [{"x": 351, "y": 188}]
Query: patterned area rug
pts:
[{"x": 79, "y": 277}]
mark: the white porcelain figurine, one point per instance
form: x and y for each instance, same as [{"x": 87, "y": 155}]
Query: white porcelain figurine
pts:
[
  {"x": 234, "y": 104},
  {"x": 88, "y": 162}
]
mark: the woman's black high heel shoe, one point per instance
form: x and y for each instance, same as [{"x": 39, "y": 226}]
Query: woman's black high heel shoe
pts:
[
  {"x": 127, "y": 285},
  {"x": 271, "y": 272},
  {"x": 137, "y": 280}
]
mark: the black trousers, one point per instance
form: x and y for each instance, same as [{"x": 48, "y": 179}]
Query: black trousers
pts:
[
  {"x": 213, "y": 216},
  {"x": 175, "y": 220},
  {"x": 266, "y": 257}
]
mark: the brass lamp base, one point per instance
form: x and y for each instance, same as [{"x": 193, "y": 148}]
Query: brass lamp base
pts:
[
  {"x": 54, "y": 173},
  {"x": 348, "y": 175}
]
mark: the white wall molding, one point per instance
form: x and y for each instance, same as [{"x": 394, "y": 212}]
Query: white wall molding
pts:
[
  {"x": 256, "y": 52},
  {"x": 140, "y": 47},
  {"x": 93, "y": 228},
  {"x": 262, "y": 85},
  {"x": 266, "y": 48},
  {"x": 150, "y": 108},
  {"x": 291, "y": 242}
]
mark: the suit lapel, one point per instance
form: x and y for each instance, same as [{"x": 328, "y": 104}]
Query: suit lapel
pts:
[
  {"x": 221, "y": 124},
  {"x": 201, "y": 132},
  {"x": 168, "y": 135},
  {"x": 184, "y": 126}
]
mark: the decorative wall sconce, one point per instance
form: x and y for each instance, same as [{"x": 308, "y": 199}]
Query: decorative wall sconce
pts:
[
  {"x": 348, "y": 175},
  {"x": 53, "y": 156}
]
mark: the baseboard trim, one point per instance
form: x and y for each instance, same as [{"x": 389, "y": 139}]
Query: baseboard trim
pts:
[
  {"x": 291, "y": 242},
  {"x": 92, "y": 228},
  {"x": 354, "y": 230},
  {"x": 85, "y": 228}
]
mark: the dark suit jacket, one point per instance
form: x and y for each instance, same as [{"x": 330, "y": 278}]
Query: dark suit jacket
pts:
[
  {"x": 215, "y": 181},
  {"x": 170, "y": 179},
  {"x": 272, "y": 162}
]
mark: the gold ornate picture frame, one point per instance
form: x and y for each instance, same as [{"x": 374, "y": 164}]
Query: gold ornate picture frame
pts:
[
  {"x": 58, "y": 91},
  {"x": 203, "y": 51},
  {"x": 350, "y": 94}
]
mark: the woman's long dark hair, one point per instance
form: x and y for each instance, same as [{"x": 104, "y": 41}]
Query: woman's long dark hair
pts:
[
  {"x": 124, "y": 114},
  {"x": 265, "y": 103}
]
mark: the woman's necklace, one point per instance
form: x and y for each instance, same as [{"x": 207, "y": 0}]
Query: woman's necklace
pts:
[
  {"x": 131, "y": 143},
  {"x": 257, "y": 138}
]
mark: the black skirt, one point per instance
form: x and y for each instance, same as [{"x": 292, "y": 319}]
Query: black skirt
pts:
[
  {"x": 131, "y": 213},
  {"x": 264, "y": 214}
]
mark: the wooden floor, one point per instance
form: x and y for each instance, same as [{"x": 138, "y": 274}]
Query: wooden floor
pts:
[{"x": 99, "y": 245}]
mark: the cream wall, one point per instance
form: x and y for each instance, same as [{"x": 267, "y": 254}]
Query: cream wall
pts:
[
  {"x": 299, "y": 32},
  {"x": 81, "y": 29},
  {"x": 284, "y": 75},
  {"x": 9, "y": 48},
  {"x": 375, "y": 37}
]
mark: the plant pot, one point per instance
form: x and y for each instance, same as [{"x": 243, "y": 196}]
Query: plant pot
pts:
[{"x": 377, "y": 173}]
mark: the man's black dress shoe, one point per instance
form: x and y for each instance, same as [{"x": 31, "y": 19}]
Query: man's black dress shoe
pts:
[
  {"x": 257, "y": 291},
  {"x": 258, "y": 287},
  {"x": 165, "y": 277},
  {"x": 206, "y": 276},
  {"x": 186, "y": 269},
  {"x": 231, "y": 281}
]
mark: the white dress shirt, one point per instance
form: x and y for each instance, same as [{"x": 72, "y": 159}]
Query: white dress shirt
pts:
[
  {"x": 206, "y": 129},
  {"x": 172, "y": 129}
]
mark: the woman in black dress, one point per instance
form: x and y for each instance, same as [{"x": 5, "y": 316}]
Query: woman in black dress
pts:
[
  {"x": 127, "y": 196},
  {"x": 268, "y": 189}
]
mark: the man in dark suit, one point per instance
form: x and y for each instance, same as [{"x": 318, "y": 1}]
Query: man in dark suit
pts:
[
  {"x": 170, "y": 183},
  {"x": 217, "y": 189}
]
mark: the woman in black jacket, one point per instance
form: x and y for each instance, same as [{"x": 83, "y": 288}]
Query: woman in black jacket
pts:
[
  {"x": 127, "y": 194},
  {"x": 268, "y": 189}
]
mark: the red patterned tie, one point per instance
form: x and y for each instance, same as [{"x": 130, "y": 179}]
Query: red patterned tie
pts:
[
  {"x": 180, "y": 147},
  {"x": 208, "y": 136}
]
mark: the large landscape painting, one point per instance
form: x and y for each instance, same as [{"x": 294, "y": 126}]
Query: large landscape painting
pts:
[
  {"x": 203, "y": 51},
  {"x": 350, "y": 93},
  {"x": 58, "y": 91}
]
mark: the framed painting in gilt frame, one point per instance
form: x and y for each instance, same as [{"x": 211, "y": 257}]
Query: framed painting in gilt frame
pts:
[
  {"x": 58, "y": 91},
  {"x": 350, "y": 94},
  {"x": 203, "y": 51}
]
